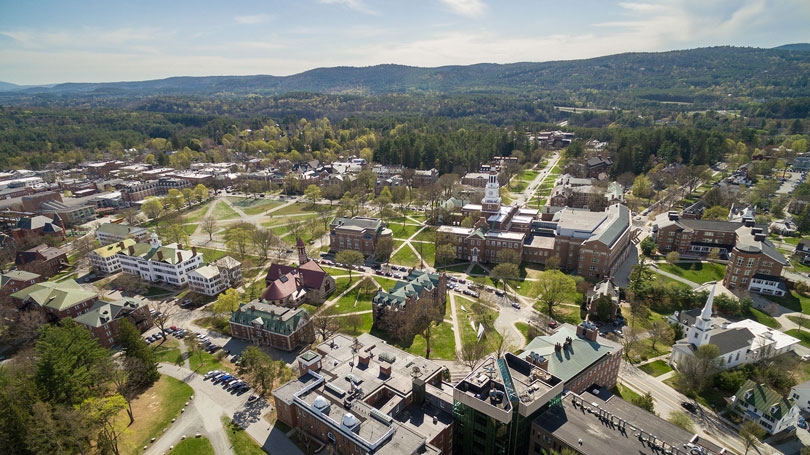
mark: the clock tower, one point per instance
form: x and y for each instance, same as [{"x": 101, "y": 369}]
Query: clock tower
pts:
[{"x": 491, "y": 203}]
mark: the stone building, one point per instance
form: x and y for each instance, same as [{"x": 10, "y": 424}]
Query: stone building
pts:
[
  {"x": 42, "y": 259},
  {"x": 357, "y": 233},
  {"x": 57, "y": 299},
  {"x": 104, "y": 318},
  {"x": 265, "y": 324}
]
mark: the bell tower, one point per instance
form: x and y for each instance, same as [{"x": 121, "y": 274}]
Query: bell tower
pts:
[
  {"x": 491, "y": 203},
  {"x": 302, "y": 252},
  {"x": 703, "y": 324}
]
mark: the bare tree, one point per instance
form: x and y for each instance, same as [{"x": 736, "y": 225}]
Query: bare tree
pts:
[
  {"x": 263, "y": 240},
  {"x": 501, "y": 343},
  {"x": 471, "y": 353},
  {"x": 209, "y": 225},
  {"x": 325, "y": 323},
  {"x": 165, "y": 310},
  {"x": 660, "y": 331}
]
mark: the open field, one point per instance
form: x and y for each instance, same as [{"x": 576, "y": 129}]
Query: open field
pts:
[
  {"x": 193, "y": 446},
  {"x": 241, "y": 442},
  {"x": 695, "y": 272},
  {"x": 223, "y": 211}
]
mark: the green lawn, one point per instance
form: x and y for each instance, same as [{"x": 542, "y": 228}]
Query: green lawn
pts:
[
  {"x": 656, "y": 368},
  {"x": 210, "y": 254},
  {"x": 341, "y": 284},
  {"x": 241, "y": 442},
  {"x": 763, "y": 318},
  {"x": 168, "y": 351},
  {"x": 661, "y": 279},
  {"x": 256, "y": 206},
  {"x": 406, "y": 257},
  {"x": 478, "y": 270},
  {"x": 695, "y": 272},
  {"x": 800, "y": 268},
  {"x": 202, "y": 362},
  {"x": 190, "y": 228},
  {"x": 193, "y": 446},
  {"x": 197, "y": 214},
  {"x": 365, "y": 321},
  {"x": 803, "y": 336},
  {"x": 794, "y": 300},
  {"x": 517, "y": 186},
  {"x": 386, "y": 283},
  {"x": 624, "y": 393},
  {"x": 403, "y": 232},
  {"x": 154, "y": 410},
  {"x": 350, "y": 303},
  {"x": 427, "y": 234},
  {"x": 428, "y": 252},
  {"x": 223, "y": 211},
  {"x": 442, "y": 343},
  {"x": 294, "y": 209},
  {"x": 460, "y": 268},
  {"x": 528, "y": 175},
  {"x": 524, "y": 329}
]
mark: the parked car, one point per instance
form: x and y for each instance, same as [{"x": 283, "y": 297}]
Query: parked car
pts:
[
  {"x": 689, "y": 407},
  {"x": 517, "y": 306},
  {"x": 211, "y": 374},
  {"x": 252, "y": 398},
  {"x": 553, "y": 324}
]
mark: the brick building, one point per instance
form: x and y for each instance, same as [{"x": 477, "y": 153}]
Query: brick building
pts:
[
  {"x": 13, "y": 281},
  {"x": 397, "y": 308},
  {"x": 693, "y": 237},
  {"x": 357, "y": 233},
  {"x": 578, "y": 356},
  {"x": 271, "y": 325},
  {"x": 754, "y": 263},
  {"x": 109, "y": 233},
  {"x": 104, "y": 318},
  {"x": 361, "y": 395},
  {"x": 42, "y": 259},
  {"x": 28, "y": 226},
  {"x": 424, "y": 177},
  {"x": 157, "y": 185},
  {"x": 475, "y": 179},
  {"x": 57, "y": 299}
]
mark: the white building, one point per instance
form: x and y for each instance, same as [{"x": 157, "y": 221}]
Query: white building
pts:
[
  {"x": 763, "y": 405},
  {"x": 158, "y": 263},
  {"x": 800, "y": 393},
  {"x": 741, "y": 342},
  {"x": 216, "y": 277},
  {"x": 106, "y": 260},
  {"x": 113, "y": 233}
]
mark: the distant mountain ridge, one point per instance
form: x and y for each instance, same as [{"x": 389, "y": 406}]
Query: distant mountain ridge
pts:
[{"x": 694, "y": 75}]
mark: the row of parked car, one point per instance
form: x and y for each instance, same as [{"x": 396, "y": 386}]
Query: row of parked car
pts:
[
  {"x": 207, "y": 344},
  {"x": 173, "y": 330},
  {"x": 228, "y": 381}
]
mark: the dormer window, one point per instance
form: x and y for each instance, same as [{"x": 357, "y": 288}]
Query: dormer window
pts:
[
  {"x": 774, "y": 409},
  {"x": 749, "y": 394}
]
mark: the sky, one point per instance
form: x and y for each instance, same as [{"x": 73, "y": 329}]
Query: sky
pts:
[{"x": 54, "y": 41}]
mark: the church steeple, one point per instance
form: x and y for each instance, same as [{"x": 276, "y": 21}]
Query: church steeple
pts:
[
  {"x": 703, "y": 325},
  {"x": 491, "y": 202}
]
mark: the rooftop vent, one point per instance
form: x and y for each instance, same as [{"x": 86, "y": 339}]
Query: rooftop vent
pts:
[{"x": 321, "y": 403}]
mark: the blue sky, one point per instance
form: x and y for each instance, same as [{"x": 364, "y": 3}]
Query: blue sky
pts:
[{"x": 50, "y": 41}]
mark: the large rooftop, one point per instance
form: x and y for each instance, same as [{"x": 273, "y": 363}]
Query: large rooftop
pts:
[{"x": 567, "y": 363}]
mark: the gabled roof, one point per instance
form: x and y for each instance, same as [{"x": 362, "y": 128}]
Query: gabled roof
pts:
[
  {"x": 764, "y": 399},
  {"x": 56, "y": 295},
  {"x": 38, "y": 222},
  {"x": 102, "y": 312},
  {"x": 418, "y": 282},
  {"x": 730, "y": 340},
  {"x": 17, "y": 275},
  {"x": 273, "y": 318},
  {"x": 568, "y": 364},
  {"x": 311, "y": 274},
  {"x": 113, "y": 248}
]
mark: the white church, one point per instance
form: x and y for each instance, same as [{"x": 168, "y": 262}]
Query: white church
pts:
[{"x": 740, "y": 342}]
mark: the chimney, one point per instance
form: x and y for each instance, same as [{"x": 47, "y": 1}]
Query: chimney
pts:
[
  {"x": 580, "y": 331},
  {"x": 121, "y": 245},
  {"x": 131, "y": 250},
  {"x": 193, "y": 251},
  {"x": 749, "y": 222},
  {"x": 363, "y": 359},
  {"x": 179, "y": 246},
  {"x": 385, "y": 369},
  {"x": 179, "y": 256},
  {"x": 591, "y": 334},
  {"x": 160, "y": 255}
]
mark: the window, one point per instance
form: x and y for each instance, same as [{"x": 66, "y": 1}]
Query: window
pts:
[
  {"x": 751, "y": 262},
  {"x": 739, "y": 261}
]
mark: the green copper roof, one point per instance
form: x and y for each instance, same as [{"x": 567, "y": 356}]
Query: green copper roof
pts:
[{"x": 56, "y": 295}]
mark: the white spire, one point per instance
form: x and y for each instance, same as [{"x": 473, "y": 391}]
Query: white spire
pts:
[{"x": 707, "y": 309}]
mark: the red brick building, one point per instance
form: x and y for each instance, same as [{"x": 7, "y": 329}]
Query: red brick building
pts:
[
  {"x": 357, "y": 233},
  {"x": 42, "y": 259},
  {"x": 693, "y": 237},
  {"x": 13, "y": 281},
  {"x": 271, "y": 325},
  {"x": 397, "y": 308},
  {"x": 104, "y": 318},
  {"x": 57, "y": 299},
  {"x": 755, "y": 264}
]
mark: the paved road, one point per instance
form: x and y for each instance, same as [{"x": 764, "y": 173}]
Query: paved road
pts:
[{"x": 204, "y": 412}]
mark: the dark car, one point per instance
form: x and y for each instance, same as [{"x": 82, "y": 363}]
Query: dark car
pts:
[
  {"x": 553, "y": 324},
  {"x": 689, "y": 406}
]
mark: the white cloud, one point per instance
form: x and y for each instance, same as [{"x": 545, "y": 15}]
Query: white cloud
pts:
[
  {"x": 252, "y": 19},
  {"x": 356, "y": 5},
  {"x": 469, "y": 8}
]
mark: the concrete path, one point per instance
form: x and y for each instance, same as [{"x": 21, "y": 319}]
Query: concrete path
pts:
[{"x": 456, "y": 327}]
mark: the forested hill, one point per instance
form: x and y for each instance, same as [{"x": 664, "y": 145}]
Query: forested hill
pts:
[{"x": 717, "y": 76}]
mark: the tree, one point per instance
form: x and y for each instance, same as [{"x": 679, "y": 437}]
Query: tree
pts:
[
  {"x": 351, "y": 322},
  {"x": 471, "y": 353},
  {"x": 200, "y": 192},
  {"x": 500, "y": 343},
  {"x": 70, "y": 363},
  {"x": 152, "y": 207},
  {"x": 673, "y": 257},
  {"x": 165, "y": 310},
  {"x": 552, "y": 263},
  {"x": 175, "y": 199},
  {"x": 100, "y": 413},
  {"x": 714, "y": 253},
  {"x": 630, "y": 339},
  {"x": 642, "y": 188},
  {"x": 423, "y": 319},
  {"x": 648, "y": 246},
  {"x": 175, "y": 232},
  {"x": 193, "y": 347},
  {"x": 696, "y": 372},
  {"x": 237, "y": 239},
  {"x": 751, "y": 433},
  {"x": 312, "y": 194},
  {"x": 383, "y": 249},
  {"x": 350, "y": 259},
  {"x": 263, "y": 240},
  {"x": 227, "y": 302},
  {"x": 554, "y": 288},
  {"x": 660, "y": 331},
  {"x": 260, "y": 371},
  {"x": 645, "y": 402},
  {"x": 602, "y": 308},
  {"x": 325, "y": 322},
  {"x": 681, "y": 419},
  {"x": 509, "y": 256},
  {"x": 717, "y": 212},
  {"x": 505, "y": 272},
  {"x": 209, "y": 225},
  {"x": 139, "y": 359}
]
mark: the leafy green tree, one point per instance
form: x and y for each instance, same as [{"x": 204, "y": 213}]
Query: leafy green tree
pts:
[
  {"x": 101, "y": 414},
  {"x": 139, "y": 358},
  {"x": 505, "y": 272},
  {"x": 648, "y": 246},
  {"x": 350, "y": 259},
  {"x": 70, "y": 363},
  {"x": 200, "y": 192},
  {"x": 383, "y": 249},
  {"x": 238, "y": 240},
  {"x": 642, "y": 187},
  {"x": 152, "y": 207},
  {"x": 645, "y": 402},
  {"x": 673, "y": 257},
  {"x": 554, "y": 288},
  {"x": 312, "y": 194},
  {"x": 175, "y": 199},
  {"x": 696, "y": 372},
  {"x": 227, "y": 302},
  {"x": 716, "y": 212}
]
